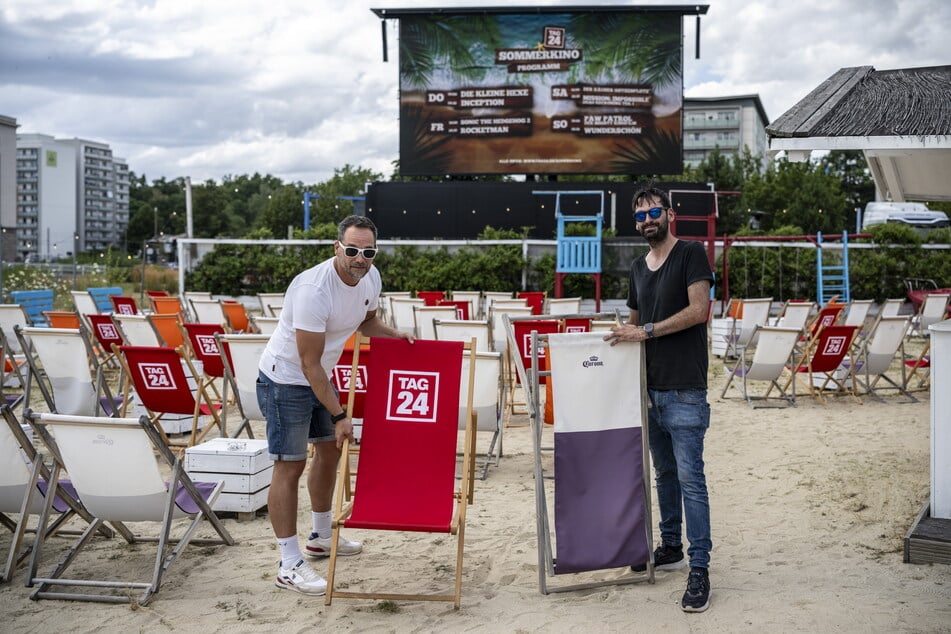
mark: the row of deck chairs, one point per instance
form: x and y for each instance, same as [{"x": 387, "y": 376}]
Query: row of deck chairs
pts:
[{"x": 835, "y": 351}]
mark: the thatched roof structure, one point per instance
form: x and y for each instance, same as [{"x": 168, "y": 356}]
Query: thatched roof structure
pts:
[{"x": 900, "y": 118}]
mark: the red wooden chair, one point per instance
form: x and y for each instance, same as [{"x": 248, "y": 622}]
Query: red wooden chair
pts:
[
  {"x": 160, "y": 380},
  {"x": 431, "y": 298},
  {"x": 463, "y": 307},
  {"x": 534, "y": 299},
  {"x": 204, "y": 346},
  {"x": 124, "y": 305},
  {"x": 822, "y": 362},
  {"x": 406, "y": 479},
  {"x": 235, "y": 316}
]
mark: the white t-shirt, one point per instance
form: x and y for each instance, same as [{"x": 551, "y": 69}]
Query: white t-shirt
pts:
[{"x": 318, "y": 301}]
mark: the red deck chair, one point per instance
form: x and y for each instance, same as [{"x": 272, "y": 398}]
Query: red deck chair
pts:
[
  {"x": 124, "y": 305},
  {"x": 534, "y": 299},
  {"x": 575, "y": 324},
  {"x": 157, "y": 293},
  {"x": 158, "y": 375},
  {"x": 431, "y": 298},
  {"x": 463, "y": 307},
  {"x": 406, "y": 478},
  {"x": 106, "y": 334},
  {"x": 204, "y": 346},
  {"x": 822, "y": 362}
]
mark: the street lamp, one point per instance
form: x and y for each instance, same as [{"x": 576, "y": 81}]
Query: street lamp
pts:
[{"x": 154, "y": 222}]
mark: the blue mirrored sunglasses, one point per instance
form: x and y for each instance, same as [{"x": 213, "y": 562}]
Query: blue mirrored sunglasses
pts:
[{"x": 653, "y": 212}]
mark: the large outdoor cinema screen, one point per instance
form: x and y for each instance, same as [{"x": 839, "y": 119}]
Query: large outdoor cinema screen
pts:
[{"x": 541, "y": 93}]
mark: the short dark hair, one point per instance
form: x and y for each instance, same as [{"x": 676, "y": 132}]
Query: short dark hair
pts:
[
  {"x": 361, "y": 222},
  {"x": 650, "y": 192}
]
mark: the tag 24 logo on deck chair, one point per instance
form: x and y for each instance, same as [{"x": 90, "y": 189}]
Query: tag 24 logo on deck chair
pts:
[
  {"x": 157, "y": 376},
  {"x": 413, "y": 396}
]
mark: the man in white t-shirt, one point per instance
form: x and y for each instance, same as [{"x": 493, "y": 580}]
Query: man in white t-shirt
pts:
[{"x": 323, "y": 307}]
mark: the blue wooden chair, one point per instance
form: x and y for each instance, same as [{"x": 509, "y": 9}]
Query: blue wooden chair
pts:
[{"x": 34, "y": 303}]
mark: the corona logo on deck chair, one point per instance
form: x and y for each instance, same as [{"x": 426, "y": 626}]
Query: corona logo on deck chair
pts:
[
  {"x": 158, "y": 376},
  {"x": 413, "y": 396}
]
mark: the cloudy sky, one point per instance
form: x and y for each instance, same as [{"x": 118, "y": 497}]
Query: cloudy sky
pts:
[{"x": 295, "y": 88}]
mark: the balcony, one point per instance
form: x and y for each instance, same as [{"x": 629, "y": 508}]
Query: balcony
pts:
[{"x": 711, "y": 124}]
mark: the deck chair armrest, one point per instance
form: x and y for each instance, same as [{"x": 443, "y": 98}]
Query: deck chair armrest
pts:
[{"x": 342, "y": 515}]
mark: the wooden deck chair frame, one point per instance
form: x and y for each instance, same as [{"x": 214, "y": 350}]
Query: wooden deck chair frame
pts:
[
  {"x": 240, "y": 354},
  {"x": 546, "y": 555},
  {"x": 22, "y": 472},
  {"x": 424, "y": 316},
  {"x": 771, "y": 357},
  {"x": 876, "y": 353},
  {"x": 919, "y": 368},
  {"x": 67, "y": 371},
  {"x": 138, "y": 492},
  {"x": 455, "y": 525},
  {"x": 170, "y": 367}
]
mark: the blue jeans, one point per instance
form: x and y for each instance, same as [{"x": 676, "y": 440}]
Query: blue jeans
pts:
[
  {"x": 294, "y": 417},
  {"x": 677, "y": 422}
]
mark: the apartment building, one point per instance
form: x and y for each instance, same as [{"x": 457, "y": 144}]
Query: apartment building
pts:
[
  {"x": 725, "y": 123},
  {"x": 8, "y": 184},
  {"x": 72, "y": 196}
]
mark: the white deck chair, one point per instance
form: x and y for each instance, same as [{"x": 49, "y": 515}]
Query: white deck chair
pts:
[
  {"x": 933, "y": 309},
  {"x": 891, "y": 307},
  {"x": 487, "y": 405},
  {"x": 13, "y": 374},
  {"x": 270, "y": 299},
  {"x": 601, "y": 469},
  {"x": 877, "y": 353},
  {"x": 23, "y": 480},
  {"x": 464, "y": 330},
  {"x": 74, "y": 381},
  {"x": 207, "y": 311},
  {"x": 858, "y": 312},
  {"x": 423, "y": 317},
  {"x": 137, "y": 330},
  {"x": 241, "y": 354},
  {"x": 755, "y": 313},
  {"x": 85, "y": 304},
  {"x": 602, "y": 325},
  {"x": 796, "y": 314},
  {"x": 497, "y": 320},
  {"x": 767, "y": 362},
  {"x": 401, "y": 313},
  {"x": 264, "y": 325},
  {"x": 120, "y": 481},
  {"x": 475, "y": 302},
  {"x": 563, "y": 305},
  {"x": 384, "y": 304}
]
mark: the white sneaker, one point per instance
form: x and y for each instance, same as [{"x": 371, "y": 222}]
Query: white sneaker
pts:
[
  {"x": 318, "y": 547},
  {"x": 301, "y": 578}
]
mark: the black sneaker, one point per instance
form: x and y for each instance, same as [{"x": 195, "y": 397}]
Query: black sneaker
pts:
[
  {"x": 697, "y": 596},
  {"x": 666, "y": 557}
]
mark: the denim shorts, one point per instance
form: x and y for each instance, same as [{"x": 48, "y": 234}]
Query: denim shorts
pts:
[{"x": 294, "y": 417}]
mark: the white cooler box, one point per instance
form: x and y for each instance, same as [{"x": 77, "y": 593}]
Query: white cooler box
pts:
[
  {"x": 720, "y": 329},
  {"x": 243, "y": 465}
]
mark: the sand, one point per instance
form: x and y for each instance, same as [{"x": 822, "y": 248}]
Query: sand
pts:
[{"x": 809, "y": 509}]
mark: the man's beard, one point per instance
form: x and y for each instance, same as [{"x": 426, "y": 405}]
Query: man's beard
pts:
[{"x": 659, "y": 235}]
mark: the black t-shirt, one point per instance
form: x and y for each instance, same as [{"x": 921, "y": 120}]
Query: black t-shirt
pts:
[{"x": 677, "y": 361}]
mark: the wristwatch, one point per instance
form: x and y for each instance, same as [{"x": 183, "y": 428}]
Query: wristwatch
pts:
[
  {"x": 339, "y": 417},
  {"x": 649, "y": 329}
]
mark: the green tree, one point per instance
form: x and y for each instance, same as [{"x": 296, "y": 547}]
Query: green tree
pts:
[
  {"x": 855, "y": 179},
  {"x": 346, "y": 181},
  {"x": 284, "y": 208},
  {"x": 800, "y": 194}
]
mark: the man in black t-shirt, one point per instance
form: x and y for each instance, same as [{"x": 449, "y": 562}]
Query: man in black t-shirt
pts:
[{"x": 669, "y": 299}]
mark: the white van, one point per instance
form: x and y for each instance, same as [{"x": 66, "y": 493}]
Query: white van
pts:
[{"x": 914, "y": 214}]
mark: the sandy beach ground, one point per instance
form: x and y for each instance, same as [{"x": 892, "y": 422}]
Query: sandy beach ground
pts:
[{"x": 810, "y": 505}]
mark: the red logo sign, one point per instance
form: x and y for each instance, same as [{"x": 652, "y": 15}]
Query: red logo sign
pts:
[
  {"x": 157, "y": 376},
  {"x": 341, "y": 378}
]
